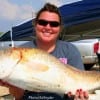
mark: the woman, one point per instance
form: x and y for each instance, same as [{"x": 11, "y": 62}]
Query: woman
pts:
[{"x": 48, "y": 27}]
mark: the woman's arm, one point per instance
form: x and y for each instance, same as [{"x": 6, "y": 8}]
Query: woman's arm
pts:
[{"x": 15, "y": 91}]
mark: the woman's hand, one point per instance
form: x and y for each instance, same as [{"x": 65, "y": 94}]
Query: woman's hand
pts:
[
  {"x": 79, "y": 95},
  {"x": 15, "y": 91}
]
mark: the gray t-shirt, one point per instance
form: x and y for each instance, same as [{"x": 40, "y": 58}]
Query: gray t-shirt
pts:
[{"x": 64, "y": 51}]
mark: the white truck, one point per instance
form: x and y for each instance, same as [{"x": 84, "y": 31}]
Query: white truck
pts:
[{"x": 89, "y": 48}]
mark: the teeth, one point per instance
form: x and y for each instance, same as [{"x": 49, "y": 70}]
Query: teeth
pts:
[{"x": 46, "y": 34}]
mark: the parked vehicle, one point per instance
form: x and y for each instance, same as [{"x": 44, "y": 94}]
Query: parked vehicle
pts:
[
  {"x": 88, "y": 49},
  {"x": 8, "y": 44}
]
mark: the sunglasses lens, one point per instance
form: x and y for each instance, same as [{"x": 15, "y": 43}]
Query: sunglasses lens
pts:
[
  {"x": 51, "y": 23},
  {"x": 42, "y": 22},
  {"x": 54, "y": 24}
]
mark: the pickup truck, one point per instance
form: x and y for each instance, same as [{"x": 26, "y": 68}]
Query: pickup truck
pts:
[
  {"x": 88, "y": 49},
  {"x": 8, "y": 44}
]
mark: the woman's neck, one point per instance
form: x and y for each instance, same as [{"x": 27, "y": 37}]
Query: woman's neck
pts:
[{"x": 48, "y": 47}]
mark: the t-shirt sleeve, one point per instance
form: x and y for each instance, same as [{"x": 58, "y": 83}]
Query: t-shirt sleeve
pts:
[{"x": 74, "y": 57}]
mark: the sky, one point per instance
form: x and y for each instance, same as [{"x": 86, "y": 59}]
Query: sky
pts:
[{"x": 15, "y": 12}]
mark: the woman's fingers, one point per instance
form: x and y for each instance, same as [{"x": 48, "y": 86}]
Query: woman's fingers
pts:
[{"x": 81, "y": 95}]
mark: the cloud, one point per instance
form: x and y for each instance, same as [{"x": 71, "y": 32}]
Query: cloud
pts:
[
  {"x": 8, "y": 10},
  {"x": 26, "y": 12},
  {"x": 13, "y": 11}
]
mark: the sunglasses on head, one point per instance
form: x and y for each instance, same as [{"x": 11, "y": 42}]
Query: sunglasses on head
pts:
[{"x": 45, "y": 22}]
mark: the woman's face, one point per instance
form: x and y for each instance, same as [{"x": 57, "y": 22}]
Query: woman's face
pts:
[{"x": 48, "y": 26}]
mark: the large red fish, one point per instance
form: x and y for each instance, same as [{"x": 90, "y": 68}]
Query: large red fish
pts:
[{"x": 34, "y": 69}]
